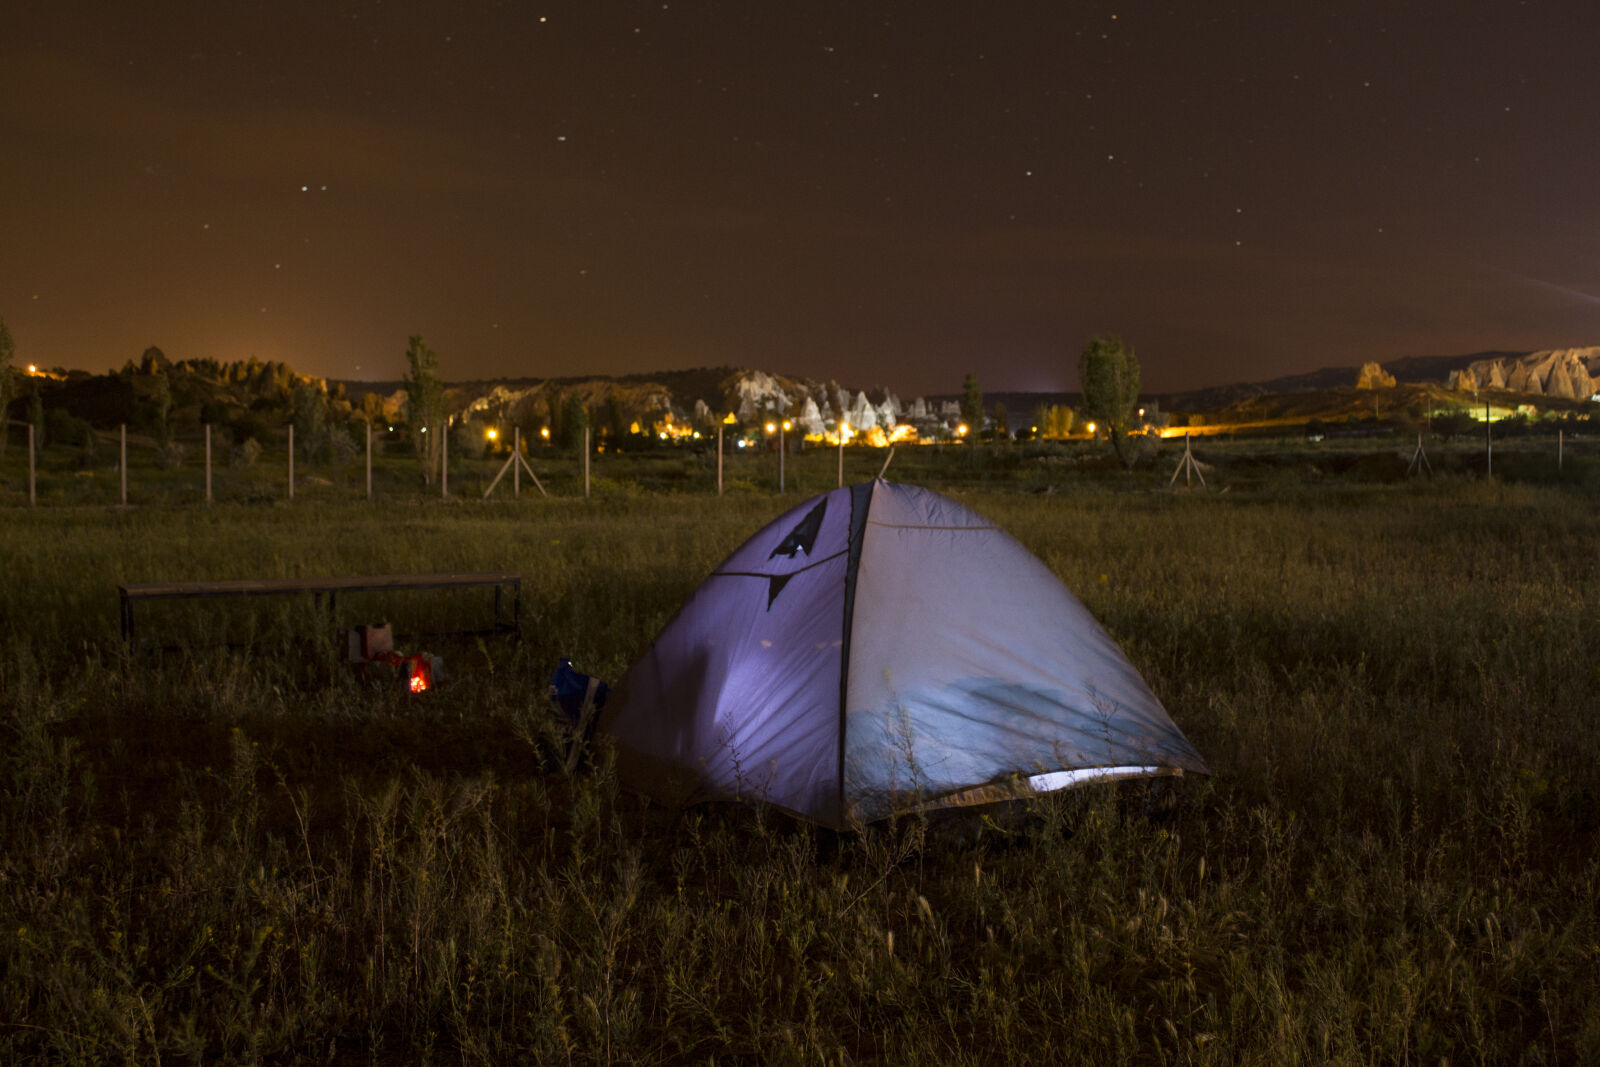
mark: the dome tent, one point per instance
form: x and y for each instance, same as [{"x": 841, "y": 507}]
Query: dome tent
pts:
[{"x": 883, "y": 648}]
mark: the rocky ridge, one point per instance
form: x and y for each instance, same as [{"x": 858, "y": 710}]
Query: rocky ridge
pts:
[{"x": 1566, "y": 373}]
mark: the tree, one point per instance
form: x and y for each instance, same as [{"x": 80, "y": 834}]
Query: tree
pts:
[
  {"x": 574, "y": 420},
  {"x": 1054, "y": 420},
  {"x": 425, "y": 405},
  {"x": 310, "y": 419},
  {"x": 972, "y": 404},
  {"x": 163, "y": 402},
  {"x": 1108, "y": 373},
  {"x": 8, "y": 352}
]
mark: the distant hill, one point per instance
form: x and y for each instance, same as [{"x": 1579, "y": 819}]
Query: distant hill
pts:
[
  {"x": 254, "y": 398},
  {"x": 1407, "y": 370}
]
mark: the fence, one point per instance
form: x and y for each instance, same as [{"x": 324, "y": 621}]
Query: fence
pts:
[{"x": 201, "y": 466}]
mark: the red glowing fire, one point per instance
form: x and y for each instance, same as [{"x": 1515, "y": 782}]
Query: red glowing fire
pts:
[{"x": 419, "y": 681}]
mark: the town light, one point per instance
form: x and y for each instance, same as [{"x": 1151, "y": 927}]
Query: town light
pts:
[
  {"x": 772, "y": 427},
  {"x": 544, "y": 432},
  {"x": 1091, "y": 429},
  {"x": 493, "y": 433},
  {"x": 961, "y": 430}
]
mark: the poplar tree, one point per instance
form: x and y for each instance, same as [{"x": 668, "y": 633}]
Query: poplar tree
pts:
[
  {"x": 425, "y": 405},
  {"x": 1108, "y": 372}
]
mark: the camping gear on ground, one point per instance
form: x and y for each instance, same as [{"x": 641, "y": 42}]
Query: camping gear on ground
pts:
[
  {"x": 371, "y": 649},
  {"x": 878, "y": 649},
  {"x": 576, "y": 695}
]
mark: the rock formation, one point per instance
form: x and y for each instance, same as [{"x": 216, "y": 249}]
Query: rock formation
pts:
[
  {"x": 1566, "y": 373},
  {"x": 1373, "y": 376}
]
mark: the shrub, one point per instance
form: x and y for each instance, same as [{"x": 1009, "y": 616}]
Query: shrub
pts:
[
  {"x": 245, "y": 455},
  {"x": 169, "y": 456}
]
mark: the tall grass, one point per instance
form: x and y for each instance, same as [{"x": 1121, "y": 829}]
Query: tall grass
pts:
[{"x": 216, "y": 855}]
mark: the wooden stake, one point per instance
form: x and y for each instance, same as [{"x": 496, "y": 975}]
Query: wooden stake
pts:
[
  {"x": 32, "y": 500},
  {"x": 585, "y": 463},
  {"x": 208, "y": 463},
  {"x": 719, "y": 459},
  {"x": 369, "y": 462},
  {"x": 122, "y": 464},
  {"x": 291, "y": 461},
  {"x": 444, "y": 462},
  {"x": 516, "y": 468}
]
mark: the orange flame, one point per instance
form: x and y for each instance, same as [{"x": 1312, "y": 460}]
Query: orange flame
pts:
[{"x": 419, "y": 682}]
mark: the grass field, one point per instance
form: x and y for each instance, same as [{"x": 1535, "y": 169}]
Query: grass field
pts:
[{"x": 216, "y": 855}]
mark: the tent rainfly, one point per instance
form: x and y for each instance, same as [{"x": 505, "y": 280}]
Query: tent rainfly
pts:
[{"x": 881, "y": 649}]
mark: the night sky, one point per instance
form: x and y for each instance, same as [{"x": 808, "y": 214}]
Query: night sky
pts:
[{"x": 880, "y": 193}]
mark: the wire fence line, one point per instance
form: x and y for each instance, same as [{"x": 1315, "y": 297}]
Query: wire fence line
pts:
[{"x": 202, "y": 465}]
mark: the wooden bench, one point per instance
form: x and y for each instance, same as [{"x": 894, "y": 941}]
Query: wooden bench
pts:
[{"x": 332, "y": 587}]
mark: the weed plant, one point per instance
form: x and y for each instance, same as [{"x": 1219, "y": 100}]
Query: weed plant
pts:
[{"x": 215, "y": 854}]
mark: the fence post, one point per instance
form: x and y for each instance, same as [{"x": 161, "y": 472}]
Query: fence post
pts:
[
  {"x": 781, "y": 455},
  {"x": 32, "y": 499},
  {"x": 369, "y": 461},
  {"x": 291, "y": 461},
  {"x": 1488, "y": 443},
  {"x": 122, "y": 463},
  {"x": 444, "y": 462},
  {"x": 719, "y": 458},
  {"x": 1561, "y": 436},
  {"x": 586, "y": 463},
  {"x": 208, "y": 463},
  {"x": 516, "y": 462}
]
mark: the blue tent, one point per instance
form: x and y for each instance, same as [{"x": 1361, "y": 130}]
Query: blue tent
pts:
[{"x": 883, "y": 648}]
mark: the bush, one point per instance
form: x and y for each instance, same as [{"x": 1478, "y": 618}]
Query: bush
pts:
[
  {"x": 342, "y": 448},
  {"x": 170, "y": 455},
  {"x": 245, "y": 455}
]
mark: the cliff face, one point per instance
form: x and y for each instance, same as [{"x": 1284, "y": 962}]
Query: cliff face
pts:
[{"x": 1567, "y": 373}]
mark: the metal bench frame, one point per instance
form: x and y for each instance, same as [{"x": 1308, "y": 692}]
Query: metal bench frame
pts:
[{"x": 332, "y": 587}]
